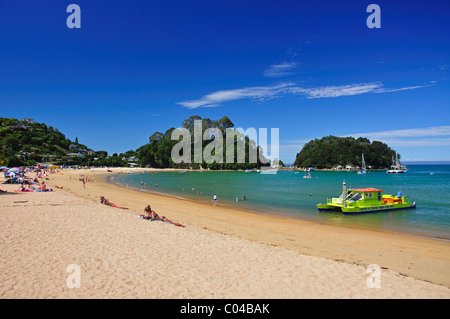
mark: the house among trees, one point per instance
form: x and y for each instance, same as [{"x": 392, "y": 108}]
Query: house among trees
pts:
[
  {"x": 19, "y": 126},
  {"x": 130, "y": 159},
  {"x": 76, "y": 154},
  {"x": 76, "y": 148}
]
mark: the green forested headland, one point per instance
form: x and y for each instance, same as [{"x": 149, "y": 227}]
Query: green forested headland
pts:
[
  {"x": 332, "y": 151},
  {"x": 25, "y": 143},
  {"x": 157, "y": 153}
]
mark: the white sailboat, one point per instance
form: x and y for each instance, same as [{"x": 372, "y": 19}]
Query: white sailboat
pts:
[{"x": 363, "y": 169}]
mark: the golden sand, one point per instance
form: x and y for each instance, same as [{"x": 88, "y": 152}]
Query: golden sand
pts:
[{"x": 222, "y": 253}]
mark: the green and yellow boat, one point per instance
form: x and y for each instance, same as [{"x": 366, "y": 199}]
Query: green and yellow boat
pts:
[{"x": 365, "y": 200}]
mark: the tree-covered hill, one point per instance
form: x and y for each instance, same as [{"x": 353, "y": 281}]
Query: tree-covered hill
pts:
[
  {"x": 157, "y": 153},
  {"x": 332, "y": 151},
  {"x": 25, "y": 143}
]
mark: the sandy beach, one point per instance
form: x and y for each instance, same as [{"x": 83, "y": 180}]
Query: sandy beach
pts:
[{"x": 222, "y": 253}]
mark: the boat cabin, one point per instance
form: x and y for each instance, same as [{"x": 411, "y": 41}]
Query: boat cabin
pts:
[{"x": 365, "y": 194}]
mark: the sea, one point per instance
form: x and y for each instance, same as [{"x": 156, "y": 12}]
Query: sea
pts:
[{"x": 288, "y": 193}]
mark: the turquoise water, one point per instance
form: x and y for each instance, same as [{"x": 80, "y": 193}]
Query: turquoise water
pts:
[{"x": 288, "y": 193}]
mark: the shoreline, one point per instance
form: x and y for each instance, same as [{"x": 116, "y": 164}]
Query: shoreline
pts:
[
  {"x": 424, "y": 258},
  {"x": 262, "y": 212}
]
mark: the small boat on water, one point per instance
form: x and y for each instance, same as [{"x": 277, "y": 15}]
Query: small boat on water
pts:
[
  {"x": 396, "y": 167},
  {"x": 363, "y": 168},
  {"x": 365, "y": 200},
  {"x": 268, "y": 170},
  {"x": 307, "y": 176}
]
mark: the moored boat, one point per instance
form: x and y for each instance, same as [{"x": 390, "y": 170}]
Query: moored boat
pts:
[
  {"x": 268, "y": 170},
  {"x": 396, "y": 167},
  {"x": 363, "y": 168},
  {"x": 365, "y": 200}
]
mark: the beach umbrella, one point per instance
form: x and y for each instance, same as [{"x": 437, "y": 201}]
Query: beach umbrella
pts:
[{"x": 15, "y": 169}]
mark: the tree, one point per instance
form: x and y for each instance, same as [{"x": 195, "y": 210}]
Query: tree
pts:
[{"x": 157, "y": 153}]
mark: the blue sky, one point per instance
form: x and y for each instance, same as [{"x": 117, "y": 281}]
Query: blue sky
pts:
[{"x": 309, "y": 68}]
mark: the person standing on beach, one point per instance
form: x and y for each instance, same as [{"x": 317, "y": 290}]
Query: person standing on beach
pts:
[{"x": 215, "y": 198}]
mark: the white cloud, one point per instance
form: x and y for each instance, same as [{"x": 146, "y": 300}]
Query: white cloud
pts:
[
  {"x": 415, "y": 132},
  {"x": 343, "y": 90},
  {"x": 258, "y": 93},
  {"x": 280, "y": 70},
  {"x": 418, "y": 142},
  {"x": 350, "y": 89},
  {"x": 269, "y": 92},
  {"x": 428, "y": 136}
]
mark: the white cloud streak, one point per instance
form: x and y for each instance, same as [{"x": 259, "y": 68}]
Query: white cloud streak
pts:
[
  {"x": 415, "y": 132},
  {"x": 280, "y": 70},
  {"x": 428, "y": 136},
  {"x": 257, "y": 93},
  {"x": 262, "y": 93},
  {"x": 418, "y": 142}
]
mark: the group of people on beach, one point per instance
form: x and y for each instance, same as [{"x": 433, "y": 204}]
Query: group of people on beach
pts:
[
  {"x": 28, "y": 184},
  {"x": 150, "y": 214},
  {"x": 42, "y": 187},
  {"x": 84, "y": 180}
]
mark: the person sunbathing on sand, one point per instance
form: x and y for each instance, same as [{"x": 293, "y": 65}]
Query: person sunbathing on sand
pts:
[
  {"x": 104, "y": 201},
  {"x": 44, "y": 188},
  {"x": 152, "y": 215}
]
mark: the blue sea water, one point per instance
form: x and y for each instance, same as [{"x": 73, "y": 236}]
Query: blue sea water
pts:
[{"x": 288, "y": 193}]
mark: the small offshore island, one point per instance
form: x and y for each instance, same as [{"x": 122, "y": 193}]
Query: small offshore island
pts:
[{"x": 344, "y": 153}]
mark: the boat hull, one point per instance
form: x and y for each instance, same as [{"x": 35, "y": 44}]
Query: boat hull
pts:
[
  {"x": 375, "y": 209},
  {"x": 363, "y": 210},
  {"x": 396, "y": 171}
]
